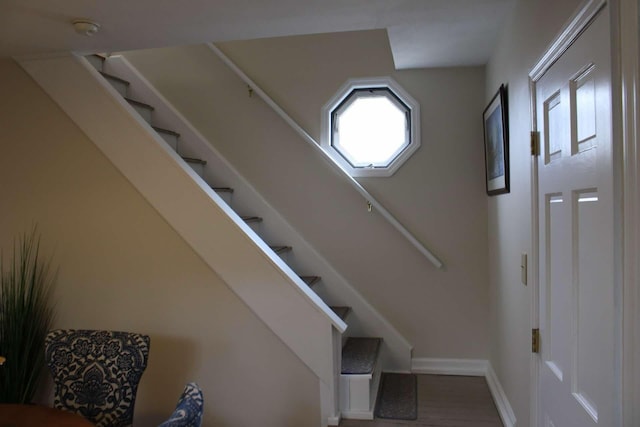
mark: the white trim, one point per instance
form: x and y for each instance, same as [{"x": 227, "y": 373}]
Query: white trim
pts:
[
  {"x": 469, "y": 367},
  {"x": 500, "y": 398},
  {"x": 307, "y": 138},
  {"x": 629, "y": 25},
  {"x": 533, "y": 266},
  {"x": 364, "y": 83},
  {"x": 572, "y": 29},
  {"x": 334, "y": 421},
  {"x": 356, "y": 376}
]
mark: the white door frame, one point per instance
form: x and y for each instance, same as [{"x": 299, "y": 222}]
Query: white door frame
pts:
[
  {"x": 626, "y": 57},
  {"x": 626, "y": 125}
]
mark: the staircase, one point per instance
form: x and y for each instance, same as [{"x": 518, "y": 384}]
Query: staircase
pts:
[{"x": 361, "y": 357}]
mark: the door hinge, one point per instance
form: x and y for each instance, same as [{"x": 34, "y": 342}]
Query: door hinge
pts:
[
  {"x": 535, "y": 143},
  {"x": 535, "y": 340}
]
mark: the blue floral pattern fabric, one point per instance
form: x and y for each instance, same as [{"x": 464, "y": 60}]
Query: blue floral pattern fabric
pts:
[
  {"x": 96, "y": 373},
  {"x": 189, "y": 410}
]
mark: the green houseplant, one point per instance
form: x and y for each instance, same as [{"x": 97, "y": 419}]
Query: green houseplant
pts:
[{"x": 26, "y": 314}]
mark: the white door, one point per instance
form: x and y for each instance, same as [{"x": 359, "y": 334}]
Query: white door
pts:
[{"x": 576, "y": 381}]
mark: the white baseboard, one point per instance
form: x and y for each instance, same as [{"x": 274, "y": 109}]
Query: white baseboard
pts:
[
  {"x": 500, "y": 398},
  {"x": 334, "y": 421},
  {"x": 470, "y": 367}
]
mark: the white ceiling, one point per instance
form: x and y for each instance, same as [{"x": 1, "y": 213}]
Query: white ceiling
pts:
[{"x": 422, "y": 33}]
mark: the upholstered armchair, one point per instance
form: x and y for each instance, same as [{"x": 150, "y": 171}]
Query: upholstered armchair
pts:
[
  {"x": 188, "y": 412},
  {"x": 96, "y": 373}
]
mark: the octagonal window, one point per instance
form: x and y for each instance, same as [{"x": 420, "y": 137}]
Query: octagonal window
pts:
[{"x": 371, "y": 127}]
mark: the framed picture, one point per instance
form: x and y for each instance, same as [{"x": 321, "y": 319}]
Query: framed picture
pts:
[{"x": 496, "y": 144}]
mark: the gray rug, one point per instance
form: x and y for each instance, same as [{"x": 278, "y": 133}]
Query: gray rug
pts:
[{"x": 398, "y": 398}]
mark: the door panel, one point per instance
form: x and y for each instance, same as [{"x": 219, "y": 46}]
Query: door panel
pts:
[
  {"x": 575, "y": 187},
  {"x": 556, "y": 290}
]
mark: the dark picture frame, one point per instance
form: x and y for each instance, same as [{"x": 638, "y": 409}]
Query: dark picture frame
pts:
[{"x": 496, "y": 143}]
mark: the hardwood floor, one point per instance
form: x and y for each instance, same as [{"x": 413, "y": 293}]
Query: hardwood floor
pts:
[{"x": 446, "y": 401}]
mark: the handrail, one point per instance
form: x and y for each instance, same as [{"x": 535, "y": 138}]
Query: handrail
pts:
[{"x": 370, "y": 199}]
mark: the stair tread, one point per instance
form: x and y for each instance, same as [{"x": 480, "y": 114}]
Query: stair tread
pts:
[
  {"x": 359, "y": 355},
  {"x": 112, "y": 77},
  {"x": 163, "y": 130},
  {"x": 280, "y": 249},
  {"x": 251, "y": 218},
  {"x": 341, "y": 311},
  {"x": 310, "y": 280},
  {"x": 139, "y": 103},
  {"x": 194, "y": 160},
  {"x": 223, "y": 189}
]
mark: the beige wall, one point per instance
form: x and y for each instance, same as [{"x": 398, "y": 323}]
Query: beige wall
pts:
[
  {"x": 524, "y": 39},
  {"x": 123, "y": 267},
  {"x": 438, "y": 194}
]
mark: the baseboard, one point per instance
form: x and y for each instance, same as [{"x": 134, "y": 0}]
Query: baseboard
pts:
[
  {"x": 334, "y": 421},
  {"x": 470, "y": 367},
  {"x": 500, "y": 398}
]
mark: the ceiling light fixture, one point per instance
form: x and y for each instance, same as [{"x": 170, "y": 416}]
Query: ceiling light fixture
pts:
[{"x": 86, "y": 27}]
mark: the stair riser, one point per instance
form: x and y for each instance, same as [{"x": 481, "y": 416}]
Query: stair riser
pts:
[
  {"x": 96, "y": 62},
  {"x": 172, "y": 140},
  {"x": 255, "y": 226},
  {"x": 345, "y": 337},
  {"x": 358, "y": 394},
  {"x": 121, "y": 87},
  {"x": 226, "y": 196},
  {"x": 285, "y": 257},
  {"x": 198, "y": 168},
  {"x": 143, "y": 111}
]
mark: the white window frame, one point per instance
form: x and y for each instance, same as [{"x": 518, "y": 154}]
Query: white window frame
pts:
[{"x": 371, "y": 83}]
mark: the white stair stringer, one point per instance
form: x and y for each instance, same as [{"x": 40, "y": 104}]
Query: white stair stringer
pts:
[
  {"x": 214, "y": 231},
  {"x": 364, "y": 319}
]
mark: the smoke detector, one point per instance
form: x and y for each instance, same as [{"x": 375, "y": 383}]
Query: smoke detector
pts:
[{"x": 86, "y": 27}]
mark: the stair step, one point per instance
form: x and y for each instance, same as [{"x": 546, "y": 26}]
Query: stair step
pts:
[
  {"x": 360, "y": 377},
  {"x": 281, "y": 249},
  {"x": 225, "y": 193},
  {"x": 121, "y": 85},
  {"x": 310, "y": 280},
  {"x": 169, "y": 136},
  {"x": 250, "y": 219},
  {"x": 96, "y": 60},
  {"x": 359, "y": 355},
  {"x": 196, "y": 164},
  {"x": 143, "y": 109},
  {"x": 341, "y": 311},
  {"x": 194, "y": 161},
  {"x": 222, "y": 189},
  {"x": 116, "y": 78},
  {"x": 167, "y": 131}
]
